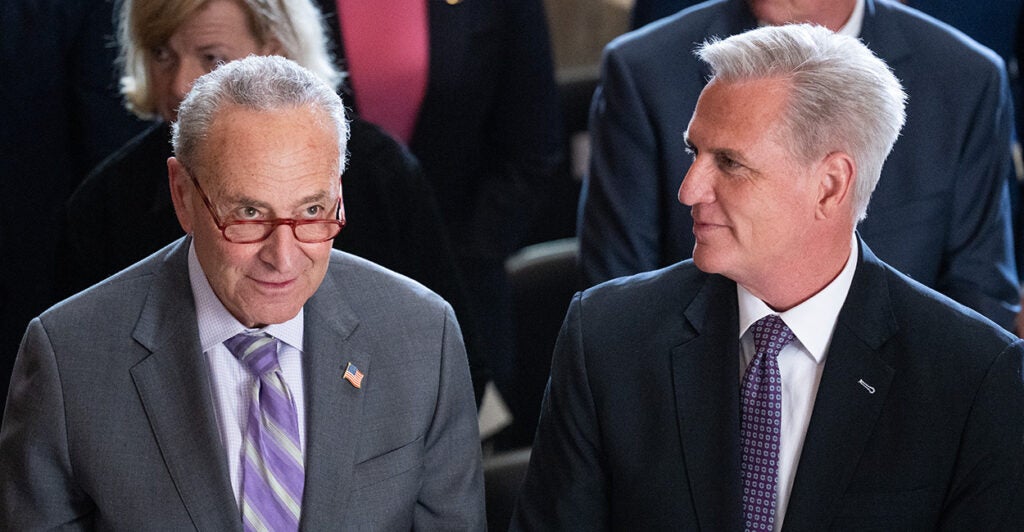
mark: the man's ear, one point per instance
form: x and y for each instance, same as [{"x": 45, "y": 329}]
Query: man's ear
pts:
[
  {"x": 341, "y": 199},
  {"x": 181, "y": 193},
  {"x": 837, "y": 175}
]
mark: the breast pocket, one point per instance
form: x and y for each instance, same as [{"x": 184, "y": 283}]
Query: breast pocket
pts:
[
  {"x": 389, "y": 465},
  {"x": 386, "y": 488}
]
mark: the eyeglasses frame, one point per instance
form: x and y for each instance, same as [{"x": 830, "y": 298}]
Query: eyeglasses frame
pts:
[{"x": 273, "y": 223}]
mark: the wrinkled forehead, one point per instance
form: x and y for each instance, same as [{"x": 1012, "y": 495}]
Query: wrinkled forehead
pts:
[{"x": 289, "y": 152}]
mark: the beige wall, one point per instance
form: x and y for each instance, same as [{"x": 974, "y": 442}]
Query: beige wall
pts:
[{"x": 581, "y": 28}]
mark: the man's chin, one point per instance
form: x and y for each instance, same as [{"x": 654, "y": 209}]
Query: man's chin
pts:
[
  {"x": 706, "y": 260},
  {"x": 269, "y": 314}
]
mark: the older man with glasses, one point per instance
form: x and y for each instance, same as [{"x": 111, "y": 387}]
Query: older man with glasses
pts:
[{"x": 247, "y": 375}]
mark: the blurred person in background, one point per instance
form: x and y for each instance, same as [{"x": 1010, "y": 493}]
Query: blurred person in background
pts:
[{"x": 470, "y": 86}]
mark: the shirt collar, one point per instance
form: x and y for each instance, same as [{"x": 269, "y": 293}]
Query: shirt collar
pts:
[
  {"x": 216, "y": 324},
  {"x": 812, "y": 321},
  {"x": 855, "y": 22}
]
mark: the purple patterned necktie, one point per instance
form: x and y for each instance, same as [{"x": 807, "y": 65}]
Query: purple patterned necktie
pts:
[
  {"x": 272, "y": 465},
  {"x": 761, "y": 424}
]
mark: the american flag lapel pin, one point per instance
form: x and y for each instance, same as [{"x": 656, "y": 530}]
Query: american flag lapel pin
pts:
[{"x": 353, "y": 375}]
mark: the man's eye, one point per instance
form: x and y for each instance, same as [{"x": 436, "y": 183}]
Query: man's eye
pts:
[
  {"x": 728, "y": 163},
  {"x": 249, "y": 212},
  {"x": 314, "y": 211}
]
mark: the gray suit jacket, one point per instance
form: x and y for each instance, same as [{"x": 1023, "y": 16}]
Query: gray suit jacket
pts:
[{"x": 110, "y": 424}]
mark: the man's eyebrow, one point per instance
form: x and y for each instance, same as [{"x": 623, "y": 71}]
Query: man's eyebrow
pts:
[
  {"x": 252, "y": 202},
  {"x": 728, "y": 152},
  {"x": 319, "y": 196}
]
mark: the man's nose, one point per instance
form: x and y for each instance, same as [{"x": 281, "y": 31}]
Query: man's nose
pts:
[
  {"x": 697, "y": 185},
  {"x": 280, "y": 250}
]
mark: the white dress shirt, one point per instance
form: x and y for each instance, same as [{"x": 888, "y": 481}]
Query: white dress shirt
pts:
[
  {"x": 231, "y": 382},
  {"x": 855, "y": 22},
  {"x": 800, "y": 363}
]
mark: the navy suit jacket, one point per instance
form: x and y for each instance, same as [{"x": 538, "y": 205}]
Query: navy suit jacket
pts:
[
  {"x": 640, "y": 425},
  {"x": 940, "y": 212},
  {"x": 60, "y": 115}
]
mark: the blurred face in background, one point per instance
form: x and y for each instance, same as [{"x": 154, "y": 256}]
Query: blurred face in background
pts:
[
  {"x": 216, "y": 33},
  {"x": 832, "y": 14}
]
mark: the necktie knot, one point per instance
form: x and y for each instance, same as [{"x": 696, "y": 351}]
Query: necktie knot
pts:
[
  {"x": 770, "y": 335},
  {"x": 257, "y": 351}
]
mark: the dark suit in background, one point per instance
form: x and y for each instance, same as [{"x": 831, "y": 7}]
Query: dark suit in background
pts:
[
  {"x": 646, "y": 11},
  {"x": 60, "y": 115},
  {"x": 489, "y": 137},
  {"x": 640, "y": 430},
  {"x": 940, "y": 214}
]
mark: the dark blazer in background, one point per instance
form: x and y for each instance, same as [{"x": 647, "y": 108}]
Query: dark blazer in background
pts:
[
  {"x": 940, "y": 212},
  {"x": 640, "y": 429},
  {"x": 647, "y": 11},
  {"x": 111, "y": 424},
  {"x": 60, "y": 115}
]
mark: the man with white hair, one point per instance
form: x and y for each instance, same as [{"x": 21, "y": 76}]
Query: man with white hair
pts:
[
  {"x": 941, "y": 212},
  {"x": 785, "y": 377}
]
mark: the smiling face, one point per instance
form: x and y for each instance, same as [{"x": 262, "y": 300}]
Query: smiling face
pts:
[
  {"x": 217, "y": 33},
  {"x": 753, "y": 203},
  {"x": 261, "y": 165}
]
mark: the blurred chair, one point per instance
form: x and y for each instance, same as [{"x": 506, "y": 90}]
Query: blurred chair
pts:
[
  {"x": 543, "y": 279},
  {"x": 503, "y": 474},
  {"x": 555, "y": 217},
  {"x": 575, "y": 91}
]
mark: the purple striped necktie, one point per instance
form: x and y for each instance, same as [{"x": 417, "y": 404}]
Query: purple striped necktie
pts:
[
  {"x": 761, "y": 424},
  {"x": 272, "y": 464}
]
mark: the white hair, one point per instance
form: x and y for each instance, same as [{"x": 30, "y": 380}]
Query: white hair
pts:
[
  {"x": 842, "y": 97},
  {"x": 259, "y": 83}
]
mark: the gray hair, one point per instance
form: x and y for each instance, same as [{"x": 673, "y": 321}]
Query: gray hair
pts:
[
  {"x": 842, "y": 97},
  {"x": 297, "y": 25},
  {"x": 258, "y": 83}
]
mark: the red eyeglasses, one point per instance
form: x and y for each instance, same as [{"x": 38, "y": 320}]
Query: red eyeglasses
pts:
[{"x": 252, "y": 231}]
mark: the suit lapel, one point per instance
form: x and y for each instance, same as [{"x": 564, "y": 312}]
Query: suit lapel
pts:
[
  {"x": 333, "y": 404},
  {"x": 174, "y": 388},
  {"x": 706, "y": 378},
  {"x": 883, "y": 36},
  {"x": 853, "y": 388},
  {"x": 734, "y": 17}
]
